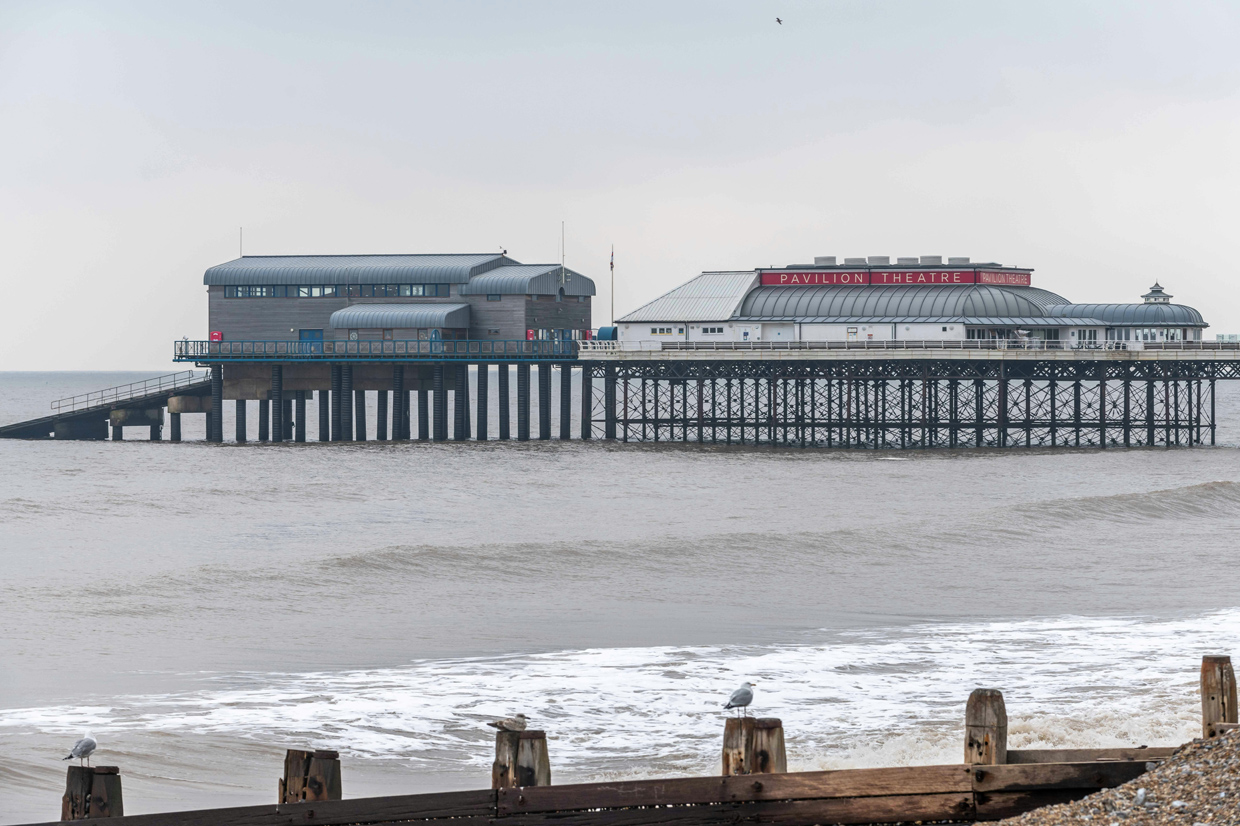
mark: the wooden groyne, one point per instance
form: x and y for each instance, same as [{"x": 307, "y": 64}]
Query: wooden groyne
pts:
[{"x": 992, "y": 783}]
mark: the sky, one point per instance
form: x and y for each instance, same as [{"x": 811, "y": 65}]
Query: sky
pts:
[{"x": 1094, "y": 142}]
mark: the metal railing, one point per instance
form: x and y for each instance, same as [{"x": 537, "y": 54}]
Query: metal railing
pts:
[
  {"x": 133, "y": 390},
  {"x": 334, "y": 350},
  {"x": 951, "y": 344}
]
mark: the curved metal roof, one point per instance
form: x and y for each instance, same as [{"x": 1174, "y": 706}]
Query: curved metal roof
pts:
[
  {"x": 528, "y": 279},
  {"x": 353, "y": 269},
  {"x": 901, "y": 302},
  {"x": 1136, "y": 315},
  {"x": 400, "y": 316}
]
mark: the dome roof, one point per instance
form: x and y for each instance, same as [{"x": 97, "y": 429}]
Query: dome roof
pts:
[
  {"x": 1135, "y": 315},
  {"x": 898, "y": 303}
]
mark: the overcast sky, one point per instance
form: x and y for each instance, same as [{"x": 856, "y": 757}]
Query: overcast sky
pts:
[{"x": 1095, "y": 142}]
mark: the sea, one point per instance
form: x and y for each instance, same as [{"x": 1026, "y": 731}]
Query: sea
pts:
[{"x": 200, "y": 608}]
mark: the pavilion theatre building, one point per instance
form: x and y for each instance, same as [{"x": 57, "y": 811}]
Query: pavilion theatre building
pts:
[
  {"x": 488, "y": 297},
  {"x": 914, "y": 299}
]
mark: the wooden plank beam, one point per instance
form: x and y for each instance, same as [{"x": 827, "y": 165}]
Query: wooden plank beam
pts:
[
  {"x": 1000, "y": 805},
  {"x": 1086, "y": 755},
  {"x": 1045, "y": 776},
  {"x": 852, "y": 810},
  {"x": 417, "y": 807},
  {"x": 847, "y": 783}
]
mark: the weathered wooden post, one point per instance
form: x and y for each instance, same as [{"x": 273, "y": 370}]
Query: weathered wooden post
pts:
[
  {"x": 985, "y": 728},
  {"x": 754, "y": 745},
  {"x": 521, "y": 759},
  {"x": 1218, "y": 695},
  {"x": 92, "y": 791},
  {"x": 310, "y": 775}
]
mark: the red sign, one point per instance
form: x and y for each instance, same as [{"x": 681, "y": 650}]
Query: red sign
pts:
[
  {"x": 1011, "y": 279},
  {"x": 216, "y": 335},
  {"x": 832, "y": 278}
]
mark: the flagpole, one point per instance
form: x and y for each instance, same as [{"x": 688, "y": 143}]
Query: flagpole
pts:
[{"x": 613, "y": 285}]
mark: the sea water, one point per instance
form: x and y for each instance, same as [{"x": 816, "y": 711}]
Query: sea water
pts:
[{"x": 200, "y": 608}]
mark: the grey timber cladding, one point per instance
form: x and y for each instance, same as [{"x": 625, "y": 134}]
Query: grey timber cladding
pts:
[
  {"x": 528, "y": 279},
  {"x": 898, "y": 303},
  {"x": 401, "y": 316},
  {"x": 1136, "y": 315},
  {"x": 353, "y": 269}
]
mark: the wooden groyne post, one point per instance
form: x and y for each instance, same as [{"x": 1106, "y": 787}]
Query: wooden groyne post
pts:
[
  {"x": 1218, "y": 696},
  {"x": 753, "y": 745},
  {"x": 521, "y": 759},
  {"x": 985, "y": 728},
  {"x": 92, "y": 791},
  {"x": 309, "y": 776}
]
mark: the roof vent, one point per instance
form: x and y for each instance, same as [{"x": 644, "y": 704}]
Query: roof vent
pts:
[
  {"x": 957, "y": 260},
  {"x": 932, "y": 259},
  {"x": 880, "y": 259},
  {"x": 907, "y": 260},
  {"x": 854, "y": 261},
  {"x": 824, "y": 260}
]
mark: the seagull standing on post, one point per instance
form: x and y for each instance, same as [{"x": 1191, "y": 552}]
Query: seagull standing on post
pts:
[
  {"x": 83, "y": 749},
  {"x": 517, "y": 722},
  {"x": 741, "y": 698}
]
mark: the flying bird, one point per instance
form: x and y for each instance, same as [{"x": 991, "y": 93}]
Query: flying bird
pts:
[
  {"x": 780, "y": 22},
  {"x": 83, "y": 749},
  {"x": 513, "y": 723},
  {"x": 741, "y": 698}
]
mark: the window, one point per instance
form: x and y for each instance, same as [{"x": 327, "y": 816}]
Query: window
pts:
[
  {"x": 387, "y": 335},
  {"x": 254, "y": 292},
  {"x": 712, "y": 331},
  {"x": 680, "y": 331},
  {"x": 581, "y": 299},
  {"x": 494, "y": 331},
  {"x": 494, "y": 297},
  {"x": 660, "y": 331}
]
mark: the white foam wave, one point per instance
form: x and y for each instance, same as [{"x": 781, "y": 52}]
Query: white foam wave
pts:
[{"x": 877, "y": 697}]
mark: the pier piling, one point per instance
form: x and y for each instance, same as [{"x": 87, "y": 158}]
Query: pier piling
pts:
[
  {"x": 985, "y": 728},
  {"x": 753, "y": 745},
  {"x": 566, "y": 401},
  {"x": 1218, "y": 695},
  {"x": 240, "y": 415},
  {"x": 277, "y": 403},
  {"x": 299, "y": 416},
  {"x": 92, "y": 791},
  {"x": 215, "y": 417},
  {"x": 400, "y": 402},
  {"x": 504, "y": 403},
  {"x": 359, "y": 414},
  {"x": 174, "y": 425},
  {"x": 335, "y": 402},
  {"x": 523, "y": 402},
  {"x": 325, "y": 415},
  {"x": 521, "y": 759},
  {"x": 310, "y": 776},
  {"x": 264, "y": 420},
  {"x": 544, "y": 402},
  {"x": 381, "y": 416},
  {"x": 424, "y": 413},
  {"x": 346, "y": 402},
  {"x": 484, "y": 379}
]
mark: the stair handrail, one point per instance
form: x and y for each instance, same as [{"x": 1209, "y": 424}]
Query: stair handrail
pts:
[{"x": 133, "y": 390}]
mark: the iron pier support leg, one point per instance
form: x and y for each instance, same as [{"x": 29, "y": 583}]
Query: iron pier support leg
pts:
[
  {"x": 424, "y": 413},
  {"x": 118, "y": 433},
  {"x": 1127, "y": 411},
  {"x": 523, "y": 402},
  {"x": 1149, "y": 412},
  {"x": 346, "y": 402},
  {"x": 1212, "y": 410},
  {"x": 460, "y": 402},
  {"x": 277, "y": 403},
  {"x": 400, "y": 400},
  {"x": 504, "y": 402},
  {"x": 288, "y": 417},
  {"x": 484, "y": 380},
  {"x": 299, "y": 415},
  {"x": 441, "y": 404},
  {"x": 359, "y": 414},
  {"x": 544, "y": 401},
  {"x": 566, "y": 401},
  {"x": 241, "y": 420},
  {"x": 381, "y": 416},
  {"x": 157, "y": 429},
  {"x": 264, "y": 420},
  {"x": 609, "y": 403},
  {"x": 587, "y": 402},
  {"x": 174, "y": 420},
  {"x": 336, "y": 382},
  {"x": 1102, "y": 407},
  {"x": 215, "y": 419},
  {"x": 1003, "y": 408},
  {"x": 978, "y": 415},
  {"x": 325, "y": 415}
]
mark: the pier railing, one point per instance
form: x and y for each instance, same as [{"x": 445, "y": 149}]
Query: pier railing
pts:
[
  {"x": 133, "y": 390},
  {"x": 461, "y": 350},
  {"x": 949, "y": 344}
]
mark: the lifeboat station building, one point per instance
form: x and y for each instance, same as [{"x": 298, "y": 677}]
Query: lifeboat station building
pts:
[{"x": 914, "y": 299}]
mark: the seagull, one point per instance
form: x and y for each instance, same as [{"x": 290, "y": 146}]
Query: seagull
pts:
[
  {"x": 780, "y": 22},
  {"x": 514, "y": 723},
  {"x": 83, "y": 749},
  {"x": 741, "y": 698}
]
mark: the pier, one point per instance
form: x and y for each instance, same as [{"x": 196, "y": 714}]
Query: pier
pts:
[{"x": 865, "y": 395}]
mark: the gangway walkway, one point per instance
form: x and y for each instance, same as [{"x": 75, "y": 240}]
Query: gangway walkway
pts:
[{"x": 86, "y": 416}]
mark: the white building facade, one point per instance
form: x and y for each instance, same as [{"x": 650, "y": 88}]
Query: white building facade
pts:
[{"x": 915, "y": 299}]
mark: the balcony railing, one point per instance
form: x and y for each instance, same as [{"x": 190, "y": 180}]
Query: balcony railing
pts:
[
  {"x": 951, "y": 344},
  {"x": 204, "y": 351}
]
